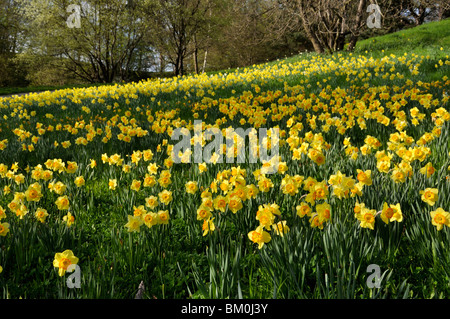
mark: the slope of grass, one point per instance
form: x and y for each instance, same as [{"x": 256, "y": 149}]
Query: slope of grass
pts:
[
  {"x": 175, "y": 260},
  {"x": 428, "y": 39}
]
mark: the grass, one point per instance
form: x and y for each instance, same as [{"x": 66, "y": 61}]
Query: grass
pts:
[
  {"x": 43, "y": 88},
  {"x": 175, "y": 260},
  {"x": 426, "y": 39}
]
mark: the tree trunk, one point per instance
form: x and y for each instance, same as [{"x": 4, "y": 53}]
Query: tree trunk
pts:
[
  {"x": 195, "y": 56},
  {"x": 309, "y": 34},
  {"x": 340, "y": 43},
  {"x": 352, "y": 43},
  {"x": 314, "y": 41},
  {"x": 162, "y": 65},
  {"x": 204, "y": 61},
  {"x": 355, "y": 33},
  {"x": 181, "y": 70},
  {"x": 177, "y": 65}
]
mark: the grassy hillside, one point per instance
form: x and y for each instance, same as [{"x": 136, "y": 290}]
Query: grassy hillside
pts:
[
  {"x": 362, "y": 180},
  {"x": 428, "y": 39}
]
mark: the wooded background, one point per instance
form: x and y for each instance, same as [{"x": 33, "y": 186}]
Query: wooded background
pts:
[{"x": 121, "y": 41}]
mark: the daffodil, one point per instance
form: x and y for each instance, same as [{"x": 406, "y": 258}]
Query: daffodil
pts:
[
  {"x": 220, "y": 203},
  {"x": 234, "y": 203},
  {"x": 191, "y": 187},
  {"x": 208, "y": 226},
  {"x": 112, "y": 184},
  {"x": 323, "y": 212},
  {"x": 367, "y": 218},
  {"x": 71, "y": 167},
  {"x": 364, "y": 177},
  {"x": 280, "y": 228},
  {"x": 62, "y": 202},
  {"x": 34, "y": 192},
  {"x": 315, "y": 221},
  {"x": 203, "y": 212},
  {"x": 430, "y": 195},
  {"x": 134, "y": 223},
  {"x": 63, "y": 260},
  {"x": 265, "y": 217},
  {"x": 69, "y": 219},
  {"x": 4, "y": 229},
  {"x": 165, "y": 197},
  {"x": 259, "y": 236},
  {"x": 208, "y": 202},
  {"x": 92, "y": 163},
  {"x": 439, "y": 218},
  {"x": 139, "y": 210},
  {"x": 150, "y": 219},
  {"x": 202, "y": 167},
  {"x": 358, "y": 209},
  {"x": 391, "y": 213},
  {"x": 265, "y": 184},
  {"x": 79, "y": 181},
  {"x": 163, "y": 217},
  {"x": 152, "y": 168},
  {"x": 427, "y": 170},
  {"x": 303, "y": 210},
  {"x": 289, "y": 186},
  {"x": 136, "y": 185},
  {"x": 398, "y": 175},
  {"x": 41, "y": 214},
  {"x": 58, "y": 187},
  {"x": 151, "y": 202}
]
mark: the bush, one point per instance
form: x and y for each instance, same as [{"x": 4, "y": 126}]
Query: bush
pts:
[
  {"x": 44, "y": 70},
  {"x": 10, "y": 73}
]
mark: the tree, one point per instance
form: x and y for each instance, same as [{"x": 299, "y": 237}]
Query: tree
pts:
[
  {"x": 177, "y": 23},
  {"x": 398, "y": 14},
  {"x": 11, "y": 36},
  {"x": 9, "y": 26},
  {"x": 327, "y": 23},
  {"x": 249, "y": 32},
  {"x": 417, "y": 12},
  {"x": 101, "y": 48}
]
